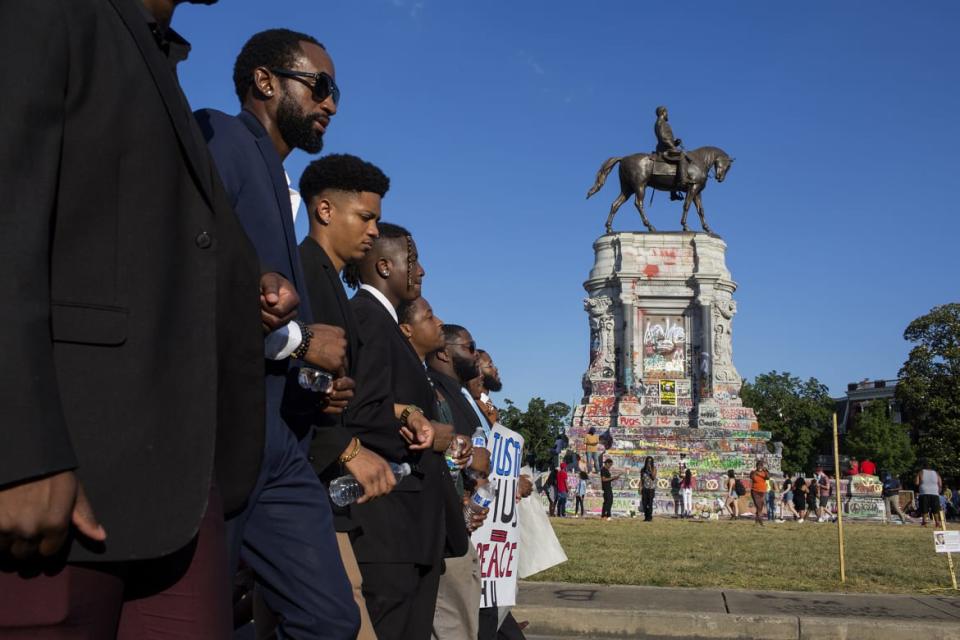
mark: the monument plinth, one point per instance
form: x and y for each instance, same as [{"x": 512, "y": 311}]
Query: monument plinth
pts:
[{"x": 661, "y": 376}]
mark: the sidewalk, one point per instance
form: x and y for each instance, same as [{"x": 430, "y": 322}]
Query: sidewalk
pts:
[{"x": 572, "y": 610}]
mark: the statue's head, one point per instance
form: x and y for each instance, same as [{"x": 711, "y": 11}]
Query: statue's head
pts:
[{"x": 661, "y": 111}]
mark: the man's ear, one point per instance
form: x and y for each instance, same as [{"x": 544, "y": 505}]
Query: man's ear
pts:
[
  {"x": 383, "y": 267},
  {"x": 263, "y": 82},
  {"x": 322, "y": 211},
  {"x": 443, "y": 355},
  {"x": 405, "y": 330}
]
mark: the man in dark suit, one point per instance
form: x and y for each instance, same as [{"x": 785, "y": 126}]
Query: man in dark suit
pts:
[
  {"x": 402, "y": 536},
  {"x": 342, "y": 194},
  {"x": 132, "y": 330},
  {"x": 285, "y": 82},
  {"x": 451, "y": 366}
]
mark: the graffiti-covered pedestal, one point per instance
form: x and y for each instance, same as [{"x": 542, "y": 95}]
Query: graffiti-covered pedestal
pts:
[{"x": 661, "y": 376}]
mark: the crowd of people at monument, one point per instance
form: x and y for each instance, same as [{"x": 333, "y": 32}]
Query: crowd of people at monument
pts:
[
  {"x": 202, "y": 427},
  {"x": 755, "y": 493}
]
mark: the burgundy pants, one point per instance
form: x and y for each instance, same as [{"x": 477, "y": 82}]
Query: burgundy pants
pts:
[{"x": 183, "y": 595}]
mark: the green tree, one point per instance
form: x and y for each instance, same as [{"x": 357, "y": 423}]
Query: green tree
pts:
[
  {"x": 539, "y": 425},
  {"x": 875, "y": 436},
  {"x": 797, "y": 412},
  {"x": 929, "y": 387}
]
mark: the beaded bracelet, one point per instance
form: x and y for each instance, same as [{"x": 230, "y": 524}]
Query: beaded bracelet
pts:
[{"x": 305, "y": 336}]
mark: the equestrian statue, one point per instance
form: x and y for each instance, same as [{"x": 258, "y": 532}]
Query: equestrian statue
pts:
[{"x": 669, "y": 168}]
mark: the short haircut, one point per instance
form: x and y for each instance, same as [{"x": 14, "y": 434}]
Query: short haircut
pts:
[
  {"x": 273, "y": 48},
  {"x": 388, "y": 233},
  {"x": 405, "y": 311},
  {"x": 342, "y": 172},
  {"x": 452, "y": 331}
]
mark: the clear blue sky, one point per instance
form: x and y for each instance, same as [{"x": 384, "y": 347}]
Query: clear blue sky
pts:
[{"x": 492, "y": 118}]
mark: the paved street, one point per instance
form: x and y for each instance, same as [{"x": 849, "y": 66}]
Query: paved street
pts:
[{"x": 596, "y": 611}]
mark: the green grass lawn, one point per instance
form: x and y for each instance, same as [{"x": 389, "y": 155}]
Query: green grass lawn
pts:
[{"x": 742, "y": 555}]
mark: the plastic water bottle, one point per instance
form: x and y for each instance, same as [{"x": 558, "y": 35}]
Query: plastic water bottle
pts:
[
  {"x": 479, "y": 440},
  {"x": 480, "y": 500},
  {"x": 346, "y": 490},
  {"x": 453, "y": 452}
]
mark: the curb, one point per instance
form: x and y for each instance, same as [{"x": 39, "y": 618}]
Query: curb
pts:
[{"x": 657, "y": 625}]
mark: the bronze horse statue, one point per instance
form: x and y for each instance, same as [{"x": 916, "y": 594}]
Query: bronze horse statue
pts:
[{"x": 637, "y": 173}]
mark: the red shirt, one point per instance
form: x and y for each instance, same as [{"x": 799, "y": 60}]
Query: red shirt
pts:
[{"x": 868, "y": 467}]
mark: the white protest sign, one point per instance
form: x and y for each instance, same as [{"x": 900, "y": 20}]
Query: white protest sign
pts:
[
  {"x": 946, "y": 541},
  {"x": 496, "y": 541}
]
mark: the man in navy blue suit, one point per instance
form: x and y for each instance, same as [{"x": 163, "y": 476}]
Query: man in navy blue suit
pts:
[{"x": 285, "y": 83}]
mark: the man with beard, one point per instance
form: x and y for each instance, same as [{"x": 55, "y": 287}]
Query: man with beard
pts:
[
  {"x": 451, "y": 365},
  {"x": 480, "y": 387},
  {"x": 402, "y": 536},
  {"x": 132, "y": 341},
  {"x": 285, "y": 83},
  {"x": 488, "y": 382},
  {"x": 343, "y": 197}
]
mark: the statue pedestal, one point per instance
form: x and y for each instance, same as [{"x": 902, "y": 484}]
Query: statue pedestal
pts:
[{"x": 661, "y": 376}]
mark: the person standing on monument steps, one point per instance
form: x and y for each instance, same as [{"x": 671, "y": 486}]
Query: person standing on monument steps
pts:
[{"x": 590, "y": 441}]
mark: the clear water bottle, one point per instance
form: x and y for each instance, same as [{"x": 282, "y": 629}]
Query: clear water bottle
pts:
[
  {"x": 480, "y": 500},
  {"x": 479, "y": 440},
  {"x": 346, "y": 490},
  {"x": 453, "y": 452}
]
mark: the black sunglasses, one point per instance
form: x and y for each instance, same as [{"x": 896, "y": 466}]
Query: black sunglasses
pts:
[
  {"x": 471, "y": 346},
  {"x": 323, "y": 85}
]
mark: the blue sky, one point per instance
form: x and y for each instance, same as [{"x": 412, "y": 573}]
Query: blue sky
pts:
[{"x": 492, "y": 118}]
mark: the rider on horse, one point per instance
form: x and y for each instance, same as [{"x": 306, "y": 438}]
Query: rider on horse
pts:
[{"x": 668, "y": 149}]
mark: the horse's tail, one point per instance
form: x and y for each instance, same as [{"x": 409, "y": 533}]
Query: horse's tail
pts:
[{"x": 602, "y": 175}]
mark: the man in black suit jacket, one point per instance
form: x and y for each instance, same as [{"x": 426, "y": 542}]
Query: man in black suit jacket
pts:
[
  {"x": 342, "y": 194},
  {"x": 403, "y": 535},
  {"x": 132, "y": 329},
  {"x": 301, "y": 579},
  {"x": 450, "y": 367}
]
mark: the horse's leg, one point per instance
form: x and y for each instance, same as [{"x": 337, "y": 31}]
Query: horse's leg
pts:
[
  {"x": 703, "y": 219},
  {"x": 613, "y": 210},
  {"x": 638, "y": 201},
  {"x": 691, "y": 194}
]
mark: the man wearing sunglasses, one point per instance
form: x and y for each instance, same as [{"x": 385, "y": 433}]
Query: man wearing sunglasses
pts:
[{"x": 284, "y": 81}]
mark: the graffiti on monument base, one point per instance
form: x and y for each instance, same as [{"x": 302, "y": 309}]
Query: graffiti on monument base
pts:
[
  {"x": 599, "y": 406},
  {"x": 864, "y": 485},
  {"x": 856, "y": 507}
]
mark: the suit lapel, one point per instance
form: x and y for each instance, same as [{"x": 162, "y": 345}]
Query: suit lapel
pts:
[
  {"x": 281, "y": 190},
  {"x": 173, "y": 98}
]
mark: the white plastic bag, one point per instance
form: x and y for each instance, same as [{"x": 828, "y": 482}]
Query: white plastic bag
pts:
[{"x": 539, "y": 548}]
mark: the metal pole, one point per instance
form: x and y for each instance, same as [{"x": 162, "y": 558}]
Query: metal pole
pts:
[
  {"x": 836, "y": 471},
  {"x": 953, "y": 575}
]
